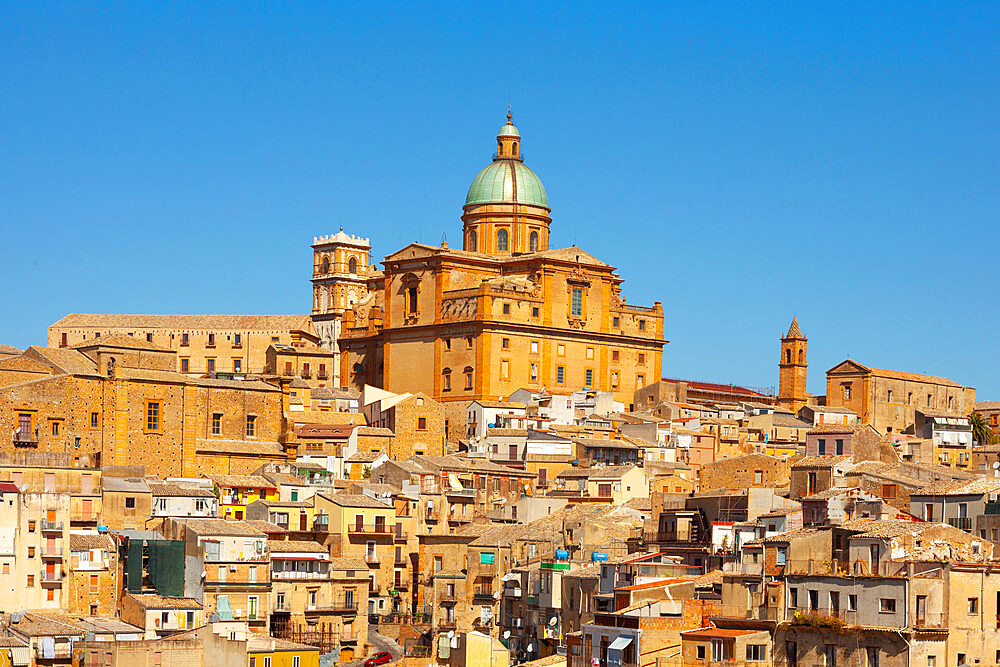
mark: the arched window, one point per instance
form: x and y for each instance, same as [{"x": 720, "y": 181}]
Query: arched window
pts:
[
  {"x": 788, "y": 356},
  {"x": 326, "y": 265},
  {"x": 502, "y": 240},
  {"x": 513, "y": 149},
  {"x": 446, "y": 379},
  {"x": 533, "y": 242},
  {"x": 352, "y": 265},
  {"x": 473, "y": 239},
  {"x": 800, "y": 356}
]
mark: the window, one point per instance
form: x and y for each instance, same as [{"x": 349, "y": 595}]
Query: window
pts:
[
  {"x": 560, "y": 350},
  {"x": 251, "y": 426},
  {"x": 152, "y": 416},
  {"x": 468, "y": 379},
  {"x": 701, "y": 651},
  {"x": 560, "y": 374},
  {"x": 576, "y": 302},
  {"x": 589, "y": 377},
  {"x": 506, "y": 309},
  {"x": 533, "y": 372},
  {"x": 502, "y": 240},
  {"x": 532, "y": 240},
  {"x": 237, "y": 365},
  {"x": 973, "y": 606},
  {"x": 185, "y": 340},
  {"x": 55, "y": 428},
  {"x": 411, "y": 299},
  {"x": 446, "y": 380},
  {"x": 95, "y": 419},
  {"x": 421, "y": 423},
  {"x": 642, "y": 325},
  {"x": 756, "y": 652},
  {"x": 852, "y": 602},
  {"x": 614, "y": 355},
  {"x": 505, "y": 343},
  {"x": 295, "y": 659},
  {"x": 887, "y": 606},
  {"x": 821, "y": 447},
  {"x": 642, "y": 358},
  {"x": 217, "y": 424},
  {"x": 758, "y": 476},
  {"x": 616, "y": 321},
  {"x": 534, "y": 347},
  {"x": 614, "y": 379},
  {"x": 210, "y": 365},
  {"x": 504, "y": 369},
  {"x": 211, "y": 340},
  {"x": 839, "y": 446},
  {"x": 185, "y": 365},
  {"x": 130, "y": 502},
  {"x": 793, "y": 597},
  {"x": 473, "y": 239},
  {"x": 640, "y": 380},
  {"x": 534, "y": 312},
  {"x": 847, "y": 392},
  {"x": 237, "y": 340}
]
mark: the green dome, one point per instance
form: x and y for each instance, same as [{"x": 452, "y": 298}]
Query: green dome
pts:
[
  {"x": 496, "y": 184},
  {"x": 508, "y": 129}
]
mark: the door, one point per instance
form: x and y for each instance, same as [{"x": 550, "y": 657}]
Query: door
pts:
[
  {"x": 359, "y": 523},
  {"x": 922, "y": 609},
  {"x": 88, "y": 508},
  {"x": 929, "y": 512},
  {"x": 303, "y": 521},
  {"x": 543, "y": 476}
]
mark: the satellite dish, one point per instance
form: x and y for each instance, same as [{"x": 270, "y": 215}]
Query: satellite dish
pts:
[
  {"x": 451, "y": 633},
  {"x": 506, "y": 634},
  {"x": 553, "y": 620},
  {"x": 996, "y": 464},
  {"x": 531, "y": 647}
]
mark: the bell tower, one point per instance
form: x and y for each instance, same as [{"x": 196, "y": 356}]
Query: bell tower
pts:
[{"x": 792, "y": 368}]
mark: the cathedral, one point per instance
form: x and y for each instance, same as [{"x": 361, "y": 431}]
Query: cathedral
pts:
[{"x": 504, "y": 311}]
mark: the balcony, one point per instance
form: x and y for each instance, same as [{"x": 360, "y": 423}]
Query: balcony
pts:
[
  {"x": 745, "y": 613},
  {"x": 483, "y": 597},
  {"x": 447, "y": 598},
  {"x": 293, "y": 575},
  {"x": 51, "y": 577},
  {"x": 400, "y": 561},
  {"x": 486, "y": 570},
  {"x": 400, "y": 536},
  {"x": 342, "y": 606},
  {"x": 52, "y": 526},
  {"x": 25, "y": 439},
  {"x": 51, "y": 553},
  {"x": 368, "y": 529},
  {"x": 992, "y": 507},
  {"x": 461, "y": 493},
  {"x": 446, "y": 625},
  {"x": 963, "y": 523},
  {"x": 322, "y": 375}
]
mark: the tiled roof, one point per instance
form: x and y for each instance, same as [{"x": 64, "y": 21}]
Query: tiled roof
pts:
[
  {"x": 988, "y": 405},
  {"x": 220, "y": 527},
  {"x": 821, "y": 461},
  {"x": 153, "y": 601},
  {"x": 9, "y": 349},
  {"x": 364, "y": 457},
  {"x": 199, "y": 322},
  {"x": 835, "y": 428},
  {"x": 242, "y": 482},
  {"x": 266, "y": 526},
  {"x": 791, "y": 535},
  {"x": 375, "y": 430},
  {"x": 832, "y": 492},
  {"x": 79, "y": 542},
  {"x": 68, "y": 361},
  {"x": 349, "y": 563},
  {"x": 124, "y": 484},
  {"x": 324, "y": 430},
  {"x": 716, "y": 633},
  {"x": 297, "y": 546},
  {"x": 500, "y": 404},
  {"x": 119, "y": 340},
  {"x": 960, "y": 487},
  {"x": 172, "y": 489},
  {"x": 886, "y": 529},
  {"x": 354, "y": 500},
  {"x": 608, "y": 444}
]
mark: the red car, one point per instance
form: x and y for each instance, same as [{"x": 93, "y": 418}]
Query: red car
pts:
[{"x": 380, "y": 658}]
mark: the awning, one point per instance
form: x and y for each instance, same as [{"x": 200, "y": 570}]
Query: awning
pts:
[
  {"x": 223, "y": 609},
  {"x": 453, "y": 480},
  {"x": 620, "y": 643}
]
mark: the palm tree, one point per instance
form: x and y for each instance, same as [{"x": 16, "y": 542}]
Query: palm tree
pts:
[{"x": 981, "y": 432}]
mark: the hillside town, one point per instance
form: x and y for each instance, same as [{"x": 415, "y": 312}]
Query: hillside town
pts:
[{"x": 471, "y": 455}]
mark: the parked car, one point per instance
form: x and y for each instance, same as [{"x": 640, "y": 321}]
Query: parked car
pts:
[{"x": 380, "y": 658}]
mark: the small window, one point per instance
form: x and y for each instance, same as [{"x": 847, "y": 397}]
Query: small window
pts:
[
  {"x": 506, "y": 309},
  {"x": 95, "y": 419},
  {"x": 152, "y": 416},
  {"x": 589, "y": 377},
  {"x": 468, "y": 378},
  {"x": 185, "y": 339},
  {"x": 411, "y": 300},
  {"x": 55, "y": 428},
  {"x": 210, "y": 365},
  {"x": 973, "y": 606},
  {"x": 887, "y": 606},
  {"x": 237, "y": 365},
  {"x": 251, "y": 426},
  {"x": 217, "y": 424},
  {"x": 352, "y": 265},
  {"x": 616, "y": 321},
  {"x": 502, "y": 240},
  {"x": 446, "y": 380},
  {"x": 576, "y": 302},
  {"x": 847, "y": 392},
  {"x": 642, "y": 358},
  {"x": 130, "y": 502},
  {"x": 560, "y": 374},
  {"x": 185, "y": 365},
  {"x": 211, "y": 340},
  {"x": 756, "y": 652},
  {"x": 505, "y": 343},
  {"x": 614, "y": 355},
  {"x": 642, "y": 325},
  {"x": 700, "y": 651},
  {"x": 534, "y": 312},
  {"x": 533, "y": 237},
  {"x": 237, "y": 340},
  {"x": 421, "y": 423}
]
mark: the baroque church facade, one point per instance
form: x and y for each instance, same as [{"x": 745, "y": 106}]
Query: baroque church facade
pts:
[{"x": 504, "y": 311}]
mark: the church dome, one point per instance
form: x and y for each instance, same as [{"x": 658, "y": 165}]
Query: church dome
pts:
[{"x": 507, "y": 180}]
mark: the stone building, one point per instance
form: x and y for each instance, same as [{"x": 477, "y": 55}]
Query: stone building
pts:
[
  {"x": 117, "y": 400},
  {"x": 744, "y": 472},
  {"x": 203, "y": 344},
  {"x": 505, "y": 311},
  {"x": 792, "y": 369},
  {"x": 888, "y": 399}
]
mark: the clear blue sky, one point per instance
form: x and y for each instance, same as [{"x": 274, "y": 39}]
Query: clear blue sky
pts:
[{"x": 740, "y": 162}]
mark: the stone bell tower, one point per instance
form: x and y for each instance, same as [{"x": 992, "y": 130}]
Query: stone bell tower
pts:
[{"x": 792, "y": 368}]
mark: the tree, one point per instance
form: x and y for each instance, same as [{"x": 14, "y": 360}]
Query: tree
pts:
[{"x": 981, "y": 432}]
